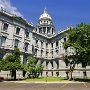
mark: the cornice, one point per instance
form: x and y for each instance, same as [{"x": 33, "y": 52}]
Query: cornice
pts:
[
  {"x": 53, "y": 36},
  {"x": 15, "y": 17}
]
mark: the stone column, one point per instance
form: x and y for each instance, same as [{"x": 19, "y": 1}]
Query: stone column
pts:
[
  {"x": 44, "y": 49},
  {"x": 0, "y": 31},
  {"x": 42, "y": 30},
  {"x": 54, "y": 45},
  {"x": 50, "y": 51},
  {"x": 39, "y": 48},
  {"x": 21, "y": 56},
  {"x": 54, "y": 65},
  {"x": 59, "y": 48},
  {"x": 46, "y": 30},
  {"x": 38, "y": 30},
  {"x": 51, "y": 30}
]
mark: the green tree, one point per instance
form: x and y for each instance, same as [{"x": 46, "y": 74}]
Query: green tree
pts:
[
  {"x": 79, "y": 41},
  {"x": 1, "y": 65},
  {"x": 12, "y": 62},
  {"x": 33, "y": 69}
]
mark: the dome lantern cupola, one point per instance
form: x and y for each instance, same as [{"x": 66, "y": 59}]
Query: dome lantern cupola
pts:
[
  {"x": 45, "y": 25},
  {"x": 45, "y": 15}
]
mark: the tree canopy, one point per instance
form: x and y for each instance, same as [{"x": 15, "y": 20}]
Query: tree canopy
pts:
[
  {"x": 12, "y": 62},
  {"x": 79, "y": 41},
  {"x": 33, "y": 69}
]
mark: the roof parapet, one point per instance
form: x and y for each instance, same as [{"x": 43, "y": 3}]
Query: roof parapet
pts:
[{"x": 15, "y": 16}]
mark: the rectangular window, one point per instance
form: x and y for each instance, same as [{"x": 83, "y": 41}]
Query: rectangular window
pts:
[
  {"x": 5, "y": 27},
  {"x": 57, "y": 73},
  {"x": 46, "y": 73},
  {"x": 36, "y": 42},
  {"x": 36, "y": 29},
  {"x": 46, "y": 53},
  {"x": 32, "y": 48},
  {"x": 35, "y": 51},
  {"x": 25, "y": 60},
  {"x": 40, "y": 30},
  {"x": 44, "y": 29},
  {"x": 57, "y": 63},
  {"x": 17, "y": 31},
  {"x": 16, "y": 43},
  {"x": 41, "y": 52},
  {"x": 41, "y": 44},
  {"x": 27, "y": 34},
  {"x": 64, "y": 39},
  {"x": 52, "y": 30},
  {"x": 48, "y": 30},
  {"x": 57, "y": 52},
  {"x": 52, "y": 45},
  {"x": 3, "y": 40},
  {"x": 52, "y": 64},
  {"x": 57, "y": 44},
  {"x": 46, "y": 45},
  {"x": 26, "y": 46},
  {"x": 52, "y": 54},
  {"x": 52, "y": 73},
  {"x": 47, "y": 65}
]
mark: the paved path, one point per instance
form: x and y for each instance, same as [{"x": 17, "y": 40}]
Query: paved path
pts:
[{"x": 44, "y": 86}]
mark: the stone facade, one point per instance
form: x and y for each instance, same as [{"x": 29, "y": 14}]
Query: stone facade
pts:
[{"x": 40, "y": 42}]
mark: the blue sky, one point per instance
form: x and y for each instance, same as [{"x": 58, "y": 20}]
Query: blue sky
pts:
[{"x": 63, "y": 12}]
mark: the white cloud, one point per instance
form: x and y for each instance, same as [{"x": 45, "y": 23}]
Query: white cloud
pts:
[{"x": 6, "y": 5}]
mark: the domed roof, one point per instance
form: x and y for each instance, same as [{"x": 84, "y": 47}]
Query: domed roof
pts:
[{"x": 45, "y": 15}]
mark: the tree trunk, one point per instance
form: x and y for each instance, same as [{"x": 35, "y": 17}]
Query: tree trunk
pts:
[
  {"x": 67, "y": 75},
  {"x": 71, "y": 70},
  {"x": 70, "y": 76},
  {"x": 85, "y": 74},
  {"x": 14, "y": 74}
]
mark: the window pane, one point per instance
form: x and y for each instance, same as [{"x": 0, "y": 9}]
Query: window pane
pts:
[
  {"x": 44, "y": 29},
  {"x": 41, "y": 44},
  {"x": 3, "y": 40},
  {"x": 25, "y": 60},
  {"x": 17, "y": 31},
  {"x": 27, "y": 34},
  {"x": 26, "y": 46},
  {"x": 5, "y": 27},
  {"x": 56, "y": 43},
  {"x": 36, "y": 42},
  {"x": 16, "y": 43}
]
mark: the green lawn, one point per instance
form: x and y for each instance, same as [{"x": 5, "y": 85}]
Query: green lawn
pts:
[
  {"x": 45, "y": 79},
  {"x": 48, "y": 79}
]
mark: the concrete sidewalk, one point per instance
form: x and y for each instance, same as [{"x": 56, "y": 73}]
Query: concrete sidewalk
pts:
[{"x": 45, "y": 82}]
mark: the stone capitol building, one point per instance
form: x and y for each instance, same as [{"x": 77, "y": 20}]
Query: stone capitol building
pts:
[{"x": 39, "y": 41}]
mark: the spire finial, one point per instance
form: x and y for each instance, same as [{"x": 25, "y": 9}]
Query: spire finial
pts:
[{"x": 45, "y": 11}]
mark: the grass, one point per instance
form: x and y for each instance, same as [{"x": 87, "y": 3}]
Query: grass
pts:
[
  {"x": 44, "y": 79},
  {"x": 49, "y": 79}
]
